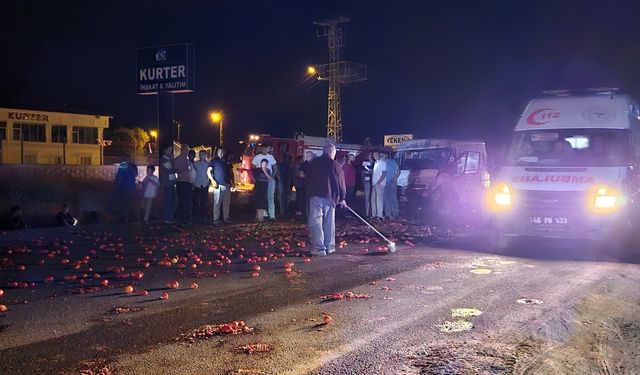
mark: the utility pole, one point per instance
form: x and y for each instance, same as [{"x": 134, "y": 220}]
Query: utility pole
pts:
[
  {"x": 336, "y": 72},
  {"x": 176, "y": 129}
]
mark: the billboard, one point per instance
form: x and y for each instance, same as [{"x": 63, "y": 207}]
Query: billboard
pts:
[
  {"x": 168, "y": 68},
  {"x": 394, "y": 140}
]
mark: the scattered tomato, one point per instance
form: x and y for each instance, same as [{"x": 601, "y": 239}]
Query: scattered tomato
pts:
[
  {"x": 173, "y": 284},
  {"x": 326, "y": 318}
]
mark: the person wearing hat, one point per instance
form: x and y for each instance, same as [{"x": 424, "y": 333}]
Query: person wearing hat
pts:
[{"x": 325, "y": 189}]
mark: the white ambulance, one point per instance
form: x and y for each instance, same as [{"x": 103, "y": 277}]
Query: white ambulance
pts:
[{"x": 571, "y": 170}]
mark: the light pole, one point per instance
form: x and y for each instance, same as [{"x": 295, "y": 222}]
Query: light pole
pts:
[
  {"x": 216, "y": 117},
  {"x": 153, "y": 134}
]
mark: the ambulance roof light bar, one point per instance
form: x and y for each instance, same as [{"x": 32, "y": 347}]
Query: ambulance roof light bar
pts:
[{"x": 590, "y": 90}]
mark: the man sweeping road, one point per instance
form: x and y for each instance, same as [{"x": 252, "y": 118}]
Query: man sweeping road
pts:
[{"x": 325, "y": 189}]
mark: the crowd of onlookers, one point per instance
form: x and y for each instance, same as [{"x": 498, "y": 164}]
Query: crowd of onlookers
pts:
[
  {"x": 274, "y": 180},
  {"x": 186, "y": 182}
]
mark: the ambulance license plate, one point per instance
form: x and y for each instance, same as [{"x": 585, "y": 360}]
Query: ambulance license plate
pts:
[{"x": 549, "y": 220}]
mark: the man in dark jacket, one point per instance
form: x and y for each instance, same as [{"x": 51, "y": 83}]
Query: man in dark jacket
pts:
[
  {"x": 168, "y": 183},
  {"x": 325, "y": 189},
  {"x": 125, "y": 187},
  {"x": 221, "y": 176}
]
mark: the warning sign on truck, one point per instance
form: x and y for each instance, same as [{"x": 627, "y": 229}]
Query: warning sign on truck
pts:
[{"x": 394, "y": 140}]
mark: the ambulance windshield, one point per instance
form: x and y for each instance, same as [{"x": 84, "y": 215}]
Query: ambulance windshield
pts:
[{"x": 572, "y": 148}]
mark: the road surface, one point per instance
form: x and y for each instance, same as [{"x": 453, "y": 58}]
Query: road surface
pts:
[{"x": 430, "y": 308}]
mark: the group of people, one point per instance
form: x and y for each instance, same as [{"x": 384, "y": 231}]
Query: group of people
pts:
[
  {"x": 274, "y": 180},
  {"x": 380, "y": 179},
  {"x": 324, "y": 185},
  {"x": 185, "y": 184}
]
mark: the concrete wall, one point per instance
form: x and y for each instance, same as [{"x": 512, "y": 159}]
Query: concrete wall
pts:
[
  {"x": 104, "y": 173},
  {"x": 48, "y": 153}
]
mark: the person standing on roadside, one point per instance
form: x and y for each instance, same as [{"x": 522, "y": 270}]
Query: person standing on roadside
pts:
[
  {"x": 367, "y": 171},
  {"x": 222, "y": 179},
  {"x": 192, "y": 181},
  {"x": 168, "y": 178},
  {"x": 349, "y": 171},
  {"x": 183, "y": 184},
  {"x": 150, "y": 186},
  {"x": 125, "y": 187},
  {"x": 303, "y": 172},
  {"x": 378, "y": 180},
  {"x": 284, "y": 184},
  {"x": 271, "y": 193},
  {"x": 297, "y": 183},
  {"x": 262, "y": 176},
  {"x": 201, "y": 185},
  {"x": 271, "y": 188},
  {"x": 391, "y": 207},
  {"x": 326, "y": 189}
]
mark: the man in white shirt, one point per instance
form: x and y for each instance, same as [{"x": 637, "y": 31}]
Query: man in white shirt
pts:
[
  {"x": 271, "y": 192},
  {"x": 200, "y": 185},
  {"x": 378, "y": 180}
]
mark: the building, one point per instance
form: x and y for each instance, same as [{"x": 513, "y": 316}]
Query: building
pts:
[{"x": 39, "y": 137}]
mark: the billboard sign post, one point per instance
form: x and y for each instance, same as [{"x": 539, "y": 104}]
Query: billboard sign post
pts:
[{"x": 164, "y": 71}]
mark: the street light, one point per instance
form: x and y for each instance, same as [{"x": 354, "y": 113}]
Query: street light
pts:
[
  {"x": 216, "y": 117},
  {"x": 152, "y": 144},
  {"x": 311, "y": 70}
]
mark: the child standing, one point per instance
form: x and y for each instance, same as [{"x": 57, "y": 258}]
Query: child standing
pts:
[{"x": 150, "y": 186}]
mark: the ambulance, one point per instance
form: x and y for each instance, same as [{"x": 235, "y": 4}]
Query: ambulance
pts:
[{"x": 571, "y": 170}]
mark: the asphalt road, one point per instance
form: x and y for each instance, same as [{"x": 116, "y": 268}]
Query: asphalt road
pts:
[{"x": 433, "y": 308}]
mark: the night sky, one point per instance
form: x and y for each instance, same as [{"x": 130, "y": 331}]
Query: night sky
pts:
[{"x": 445, "y": 68}]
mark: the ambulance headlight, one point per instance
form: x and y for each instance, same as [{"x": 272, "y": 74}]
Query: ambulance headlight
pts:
[
  {"x": 500, "y": 197},
  {"x": 606, "y": 199}
]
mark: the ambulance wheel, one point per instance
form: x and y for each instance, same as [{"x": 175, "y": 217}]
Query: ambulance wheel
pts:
[{"x": 499, "y": 242}]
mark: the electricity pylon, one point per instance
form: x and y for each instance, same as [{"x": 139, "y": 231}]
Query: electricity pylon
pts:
[{"x": 336, "y": 72}]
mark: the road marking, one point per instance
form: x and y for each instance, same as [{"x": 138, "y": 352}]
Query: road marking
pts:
[
  {"x": 455, "y": 326},
  {"x": 481, "y": 271},
  {"x": 530, "y": 301},
  {"x": 464, "y": 312}
]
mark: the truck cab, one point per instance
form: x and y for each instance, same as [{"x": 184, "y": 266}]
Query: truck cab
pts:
[
  {"x": 442, "y": 178},
  {"x": 571, "y": 169}
]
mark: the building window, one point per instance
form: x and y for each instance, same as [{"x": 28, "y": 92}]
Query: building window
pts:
[
  {"x": 31, "y": 159},
  {"x": 59, "y": 134},
  {"x": 30, "y": 132},
  {"x": 85, "y": 160},
  {"x": 3, "y": 131},
  {"x": 85, "y": 135}
]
